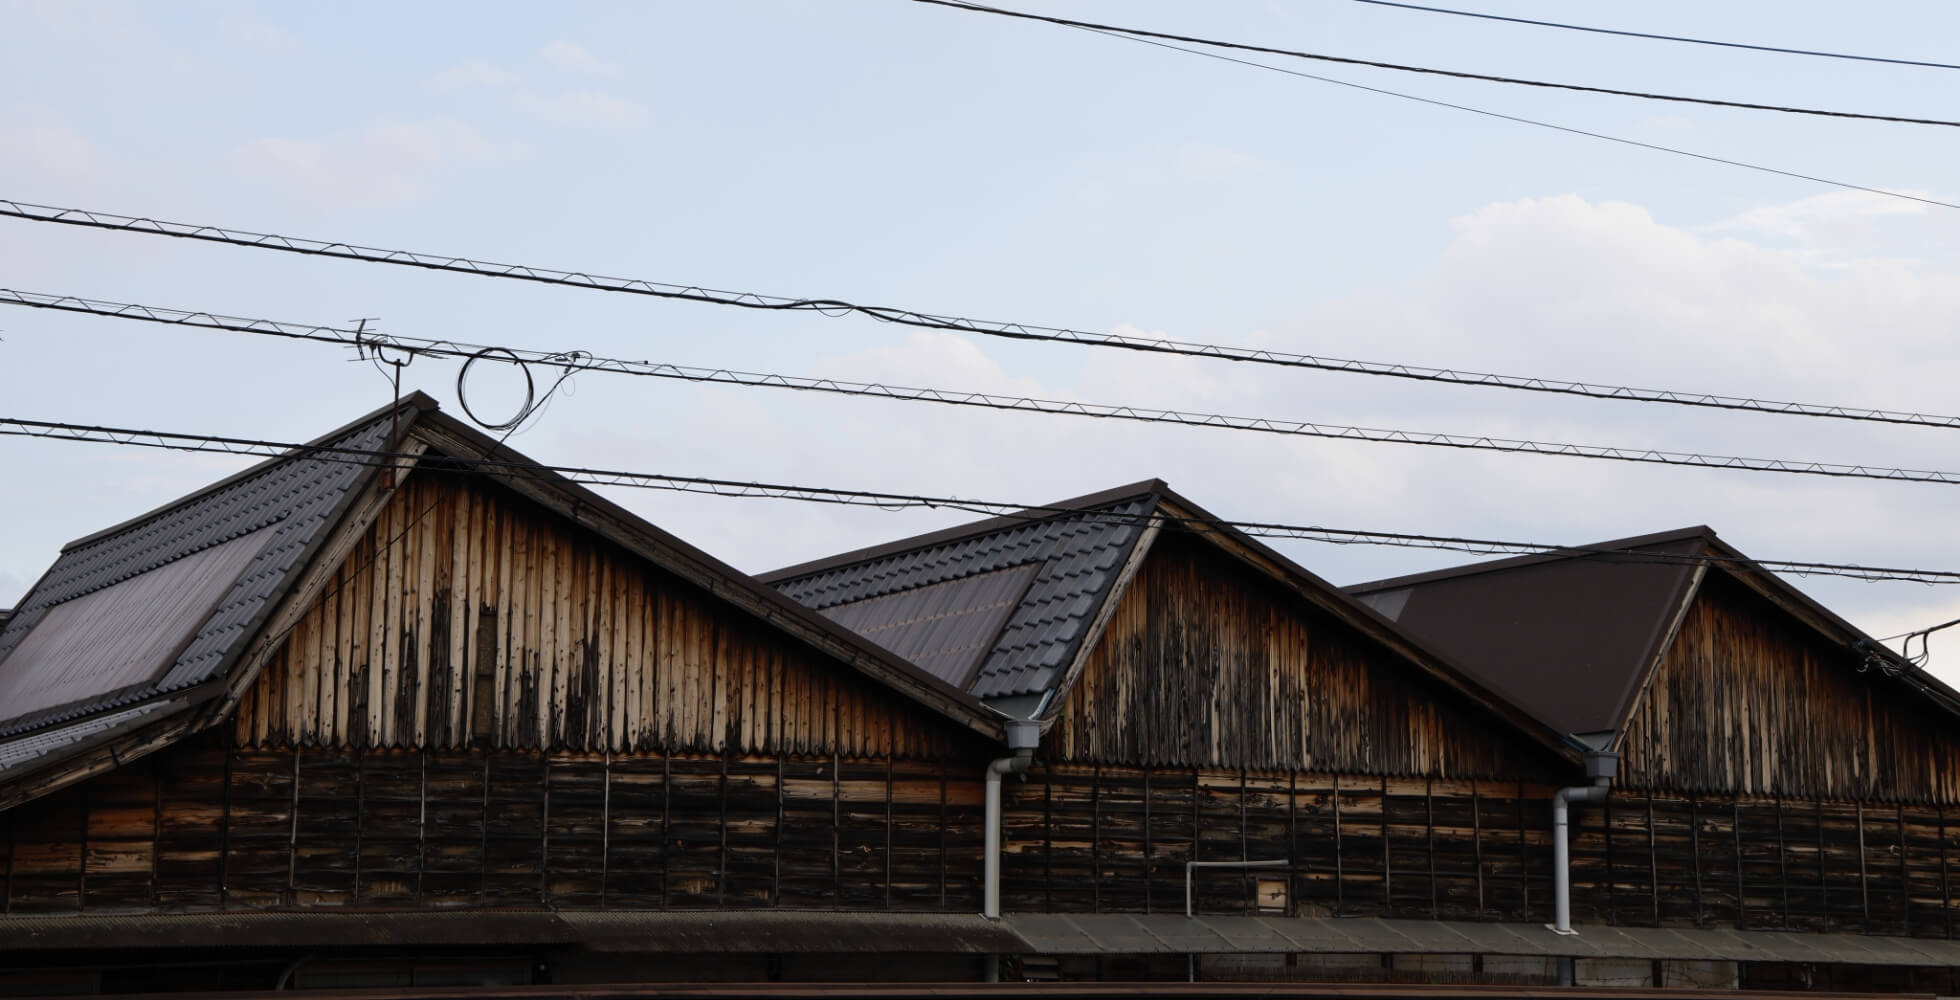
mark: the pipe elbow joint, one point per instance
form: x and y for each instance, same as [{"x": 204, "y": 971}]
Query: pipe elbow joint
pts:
[{"x": 1019, "y": 762}]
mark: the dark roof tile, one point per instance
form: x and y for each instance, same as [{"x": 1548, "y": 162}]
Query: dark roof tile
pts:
[
  {"x": 290, "y": 497},
  {"x": 1066, "y": 564}
]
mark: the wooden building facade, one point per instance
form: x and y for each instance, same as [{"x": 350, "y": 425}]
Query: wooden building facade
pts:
[{"x": 472, "y": 699}]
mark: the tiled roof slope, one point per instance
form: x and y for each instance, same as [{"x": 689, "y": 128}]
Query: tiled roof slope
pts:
[
  {"x": 295, "y": 497},
  {"x": 996, "y": 608}
]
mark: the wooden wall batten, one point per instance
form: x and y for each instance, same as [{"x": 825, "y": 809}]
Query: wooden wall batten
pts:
[
  {"x": 1206, "y": 664},
  {"x": 203, "y": 826},
  {"x": 1738, "y": 703},
  {"x": 470, "y": 617}
]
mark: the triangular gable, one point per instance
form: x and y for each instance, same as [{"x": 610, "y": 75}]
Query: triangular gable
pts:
[
  {"x": 1099, "y": 543},
  {"x": 1206, "y": 661},
  {"x": 1568, "y": 638},
  {"x": 1585, "y": 634},
  {"x": 467, "y": 616},
  {"x": 1756, "y": 671}
]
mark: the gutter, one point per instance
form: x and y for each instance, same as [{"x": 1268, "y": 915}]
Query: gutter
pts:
[
  {"x": 1022, "y": 736},
  {"x": 1601, "y": 767}
]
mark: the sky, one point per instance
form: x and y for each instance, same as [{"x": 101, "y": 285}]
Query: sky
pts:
[{"x": 899, "y": 154}]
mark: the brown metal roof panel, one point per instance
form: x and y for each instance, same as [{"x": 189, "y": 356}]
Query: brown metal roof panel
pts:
[{"x": 1565, "y": 639}]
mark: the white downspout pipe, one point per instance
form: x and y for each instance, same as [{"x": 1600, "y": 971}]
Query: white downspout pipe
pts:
[
  {"x": 1601, "y": 767},
  {"x": 1022, "y": 736}
]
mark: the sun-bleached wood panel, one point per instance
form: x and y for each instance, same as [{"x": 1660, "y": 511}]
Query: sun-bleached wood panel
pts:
[
  {"x": 1747, "y": 701},
  {"x": 467, "y": 616},
  {"x": 1205, "y": 664}
]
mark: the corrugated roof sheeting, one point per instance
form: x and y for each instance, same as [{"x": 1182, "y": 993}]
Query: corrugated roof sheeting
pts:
[
  {"x": 294, "y": 497},
  {"x": 1075, "y": 558},
  {"x": 1567, "y": 639}
]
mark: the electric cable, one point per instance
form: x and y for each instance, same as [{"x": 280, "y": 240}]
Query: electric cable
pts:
[
  {"x": 577, "y": 361},
  {"x": 1540, "y": 123},
  {"x": 732, "y": 488},
  {"x": 1141, "y": 33},
  {"x": 1660, "y": 37},
  {"x": 836, "y": 307}
]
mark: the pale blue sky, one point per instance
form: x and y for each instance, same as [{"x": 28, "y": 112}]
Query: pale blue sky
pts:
[{"x": 899, "y": 154}]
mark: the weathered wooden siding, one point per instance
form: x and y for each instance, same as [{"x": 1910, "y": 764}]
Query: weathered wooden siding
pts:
[
  {"x": 204, "y": 827},
  {"x": 1205, "y": 664},
  {"x": 1111, "y": 839},
  {"x": 1107, "y": 839},
  {"x": 467, "y": 617},
  {"x": 1748, "y": 702}
]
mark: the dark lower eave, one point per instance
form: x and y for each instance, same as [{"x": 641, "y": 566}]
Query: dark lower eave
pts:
[
  {"x": 769, "y": 932},
  {"x": 1080, "y": 934}
]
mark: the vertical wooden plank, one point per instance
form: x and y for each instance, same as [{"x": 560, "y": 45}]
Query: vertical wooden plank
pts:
[
  {"x": 507, "y": 652},
  {"x": 439, "y": 513},
  {"x": 375, "y": 579},
  {"x": 463, "y": 573},
  {"x": 551, "y": 668},
  {"x": 398, "y": 589},
  {"x": 718, "y": 677},
  {"x": 637, "y": 661},
  {"x": 619, "y": 623}
]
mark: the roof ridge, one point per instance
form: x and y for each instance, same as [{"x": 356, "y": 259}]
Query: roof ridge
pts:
[
  {"x": 1507, "y": 563},
  {"x": 1088, "y": 503},
  {"x": 417, "y": 400}
]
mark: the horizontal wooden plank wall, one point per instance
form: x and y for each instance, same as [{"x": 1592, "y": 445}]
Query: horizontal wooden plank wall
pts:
[
  {"x": 205, "y": 827},
  {"x": 1107, "y": 839},
  {"x": 1205, "y": 664},
  {"x": 470, "y": 617},
  {"x": 1081, "y": 838},
  {"x": 1741, "y": 698}
]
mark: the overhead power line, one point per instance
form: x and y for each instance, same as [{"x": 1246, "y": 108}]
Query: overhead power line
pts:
[
  {"x": 1427, "y": 70},
  {"x": 837, "y": 307},
  {"x": 1659, "y": 37},
  {"x": 258, "y": 447},
  {"x": 1540, "y": 123},
  {"x": 580, "y": 361}
]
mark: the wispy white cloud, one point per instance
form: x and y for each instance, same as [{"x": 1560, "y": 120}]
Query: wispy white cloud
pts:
[
  {"x": 573, "y": 106},
  {"x": 48, "y": 150},
  {"x": 382, "y": 164},
  {"x": 474, "y": 75},
  {"x": 1838, "y": 223},
  {"x": 1208, "y": 160},
  {"x": 571, "y": 57},
  {"x": 582, "y": 107}
]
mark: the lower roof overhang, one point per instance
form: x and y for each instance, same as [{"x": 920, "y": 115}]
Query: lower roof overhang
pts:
[
  {"x": 1106, "y": 933},
  {"x": 781, "y": 932},
  {"x": 767, "y": 932}
]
